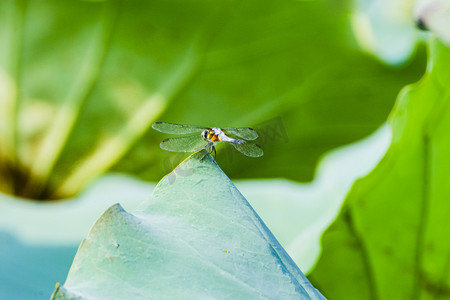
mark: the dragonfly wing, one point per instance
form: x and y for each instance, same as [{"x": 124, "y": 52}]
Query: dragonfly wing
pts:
[
  {"x": 177, "y": 128},
  {"x": 243, "y": 132},
  {"x": 184, "y": 143},
  {"x": 249, "y": 149}
]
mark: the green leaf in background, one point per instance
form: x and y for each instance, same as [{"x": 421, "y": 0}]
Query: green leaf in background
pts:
[
  {"x": 294, "y": 62},
  {"x": 391, "y": 240},
  {"x": 83, "y": 81},
  {"x": 197, "y": 237}
]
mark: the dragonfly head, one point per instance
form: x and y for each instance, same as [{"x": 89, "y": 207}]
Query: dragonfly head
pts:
[{"x": 205, "y": 134}]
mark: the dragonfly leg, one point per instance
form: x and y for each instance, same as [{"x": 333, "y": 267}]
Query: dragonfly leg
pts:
[
  {"x": 211, "y": 149},
  {"x": 214, "y": 150}
]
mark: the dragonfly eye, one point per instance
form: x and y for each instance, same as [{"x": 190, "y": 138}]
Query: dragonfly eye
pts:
[{"x": 205, "y": 134}]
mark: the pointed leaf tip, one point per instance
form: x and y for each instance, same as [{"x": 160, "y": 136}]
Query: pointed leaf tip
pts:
[{"x": 196, "y": 233}]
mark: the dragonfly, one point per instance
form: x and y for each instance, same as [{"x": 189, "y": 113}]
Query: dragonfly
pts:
[{"x": 196, "y": 138}]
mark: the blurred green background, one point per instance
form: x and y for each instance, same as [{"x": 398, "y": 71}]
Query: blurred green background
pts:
[
  {"x": 81, "y": 82},
  {"x": 99, "y": 73}
]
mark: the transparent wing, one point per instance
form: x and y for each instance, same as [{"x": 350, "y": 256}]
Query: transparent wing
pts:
[
  {"x": 244, "y": 132},
  {"x": 190, "y": 143},
  {"x": 249, "y": 149},
  {"x": 177, "y": 128}
]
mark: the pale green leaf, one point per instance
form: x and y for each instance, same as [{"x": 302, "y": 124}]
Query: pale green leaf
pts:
[{"x": 196, "y": 237}]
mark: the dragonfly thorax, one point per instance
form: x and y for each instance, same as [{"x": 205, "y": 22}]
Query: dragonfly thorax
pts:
[
  {"x": 217, "y": 131},
  {"x": 213, "y": 135}
]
